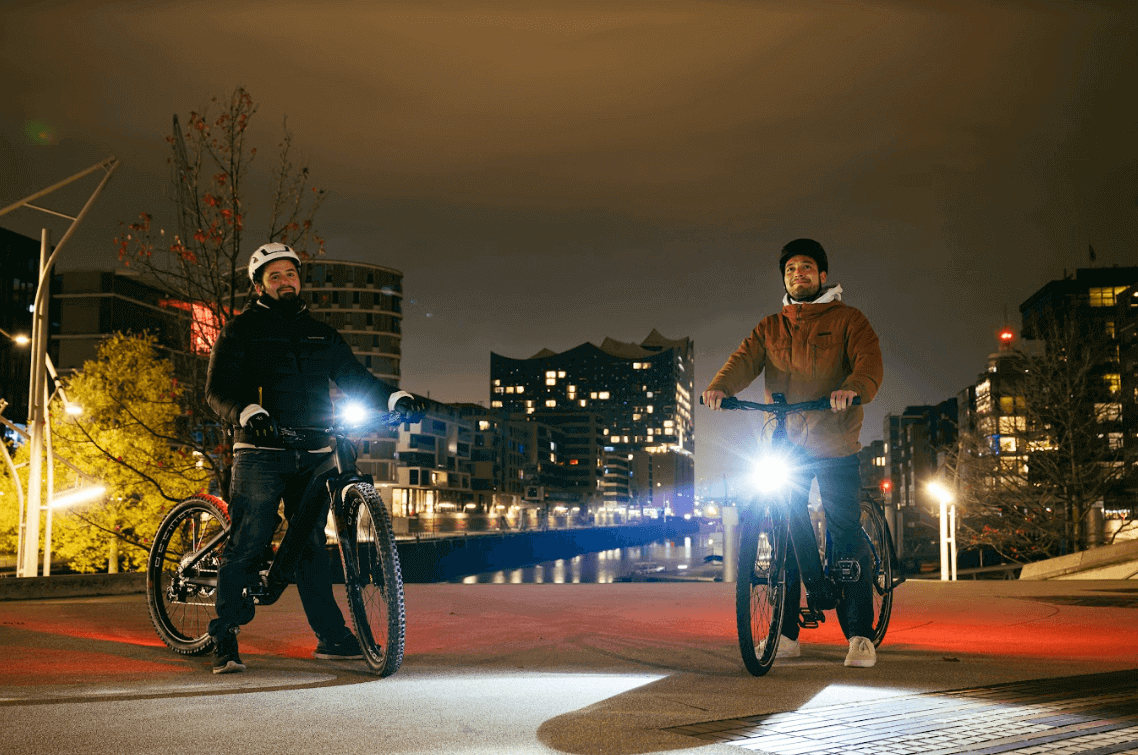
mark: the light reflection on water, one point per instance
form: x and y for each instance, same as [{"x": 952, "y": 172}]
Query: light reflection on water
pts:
[{"x": 666, "y": 556}]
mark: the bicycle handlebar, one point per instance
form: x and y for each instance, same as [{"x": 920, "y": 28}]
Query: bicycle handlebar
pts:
[
  {"x": 821, "y": 404},
  {"x": 383, "y": 419}
]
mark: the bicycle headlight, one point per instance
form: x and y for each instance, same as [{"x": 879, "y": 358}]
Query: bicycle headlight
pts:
[
  {"x": 353, "y": 413},
  {"x": 770, "y": 473}
]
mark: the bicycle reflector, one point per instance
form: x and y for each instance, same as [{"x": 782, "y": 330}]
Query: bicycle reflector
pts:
[{"x": 770, "y": 473}]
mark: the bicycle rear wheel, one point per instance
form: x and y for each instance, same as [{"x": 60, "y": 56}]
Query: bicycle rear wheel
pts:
[
  {"x": 181, "y": 573},
  {"x": 760, "y": 589},
  {"x": 876, "y": 531},
  {"x": 372, "y": 577}
]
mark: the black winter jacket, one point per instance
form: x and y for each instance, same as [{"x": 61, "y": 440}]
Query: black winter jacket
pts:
[{"x": 277, "y": 355}]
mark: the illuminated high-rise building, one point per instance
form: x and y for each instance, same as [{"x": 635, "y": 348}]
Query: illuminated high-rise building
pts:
[{"x": 642, "y": 392}]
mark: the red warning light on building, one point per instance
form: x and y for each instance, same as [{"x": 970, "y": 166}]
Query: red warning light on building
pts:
[{"x": 1006, "y": 337}]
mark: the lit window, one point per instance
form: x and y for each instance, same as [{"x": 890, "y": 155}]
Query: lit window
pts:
[
  {"x": 521, "y": 389},
  {"x": 1105, "y": 297},
  {"x": 551, "y": 374},
  {"x": 582, "y": 402},
  {"x": 483, "y": 424},
  {"x": 529, "y": 403},
  {"x": 635, "y": 417},
  {"x": 551, "y": 402},
  {"x": 497, "y": 382},
  {"x": 649, "y": 408},
  {"x": 551, "y": 381},
  {"x": 603, "y": 395},
  {"x": 529, "y": 410},
  {"x": 509, "y": 389},
  {"x": 1113, "y": 384},
  {"x": 650, "y": 394},
  {"x": 499, "y": 389},
  {"x": 561, "y": 373},
  {"x": 496, "y": 404},
  {"x": 593, "y": 394}
]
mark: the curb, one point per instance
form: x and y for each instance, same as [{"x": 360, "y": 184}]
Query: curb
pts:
[{"x": 71, "y": 586}]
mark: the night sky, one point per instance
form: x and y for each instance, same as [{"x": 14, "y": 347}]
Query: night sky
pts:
[{"x": 556, "y": 172}]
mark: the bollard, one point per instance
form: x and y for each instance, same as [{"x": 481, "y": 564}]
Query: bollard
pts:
[{"x": 730, "y": 516}]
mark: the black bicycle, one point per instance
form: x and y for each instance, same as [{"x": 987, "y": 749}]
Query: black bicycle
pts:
[
  {"x": 181, "y": 575},
  {"x": 771, "y": 530}
]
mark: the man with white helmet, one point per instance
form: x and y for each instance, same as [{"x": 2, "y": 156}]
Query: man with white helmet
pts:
[{"x": 269, "y": 369}]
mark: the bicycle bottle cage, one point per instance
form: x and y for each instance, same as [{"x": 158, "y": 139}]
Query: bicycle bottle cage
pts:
[{"x": 848, "y": 571}]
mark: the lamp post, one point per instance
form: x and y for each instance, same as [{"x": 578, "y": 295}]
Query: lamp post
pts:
[
  {"x": 37, "y": 398},
  {"x": 947, "y": 530}
]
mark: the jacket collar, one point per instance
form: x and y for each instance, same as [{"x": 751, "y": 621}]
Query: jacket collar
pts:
[
  {"x": 829, "y": 294},
  {"x": 276, "y": 307}
]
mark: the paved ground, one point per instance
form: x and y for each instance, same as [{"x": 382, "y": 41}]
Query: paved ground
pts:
[{"x": 970, "y": 667}]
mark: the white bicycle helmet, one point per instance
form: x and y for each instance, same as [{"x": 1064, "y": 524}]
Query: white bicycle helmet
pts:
[{"x": 270, "y": 253}]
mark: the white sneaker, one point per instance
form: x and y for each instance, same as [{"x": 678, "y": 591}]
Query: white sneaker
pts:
[
  {"x": 862, "y": 653},
  {"x": 787, "y": 648}
]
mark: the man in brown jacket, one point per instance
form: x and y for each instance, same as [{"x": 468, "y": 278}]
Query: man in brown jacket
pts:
[{"x": 814, "y": 347}]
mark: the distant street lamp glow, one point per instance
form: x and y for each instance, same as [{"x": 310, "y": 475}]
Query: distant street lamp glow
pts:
[
  {"x": 81, "y": 495},
  {"x": 947, "y": 530}
]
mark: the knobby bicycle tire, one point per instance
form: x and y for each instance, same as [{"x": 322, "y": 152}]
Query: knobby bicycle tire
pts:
[
  {"x": 876, "y": 531},
  {"x": 372, "y": 578},
  {"x": 760, "y": 588},
  {"x": 181, "y": 580}
]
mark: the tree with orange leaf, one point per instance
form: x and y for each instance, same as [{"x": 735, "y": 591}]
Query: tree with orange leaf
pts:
[{"x": 202, "y": 264}]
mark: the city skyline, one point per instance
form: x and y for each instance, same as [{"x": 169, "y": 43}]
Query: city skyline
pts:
[{"x": 576, "y": 171}]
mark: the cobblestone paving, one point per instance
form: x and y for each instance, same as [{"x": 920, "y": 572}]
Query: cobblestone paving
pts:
[{"x": 1096, "y": 714}]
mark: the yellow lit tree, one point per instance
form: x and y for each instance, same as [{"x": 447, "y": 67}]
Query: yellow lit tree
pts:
[{"x": 126, "y": 438}]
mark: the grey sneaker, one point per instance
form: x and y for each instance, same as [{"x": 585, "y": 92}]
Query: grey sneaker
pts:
[
  {"x": 344, "y": 649},
  {"x": 862, "y": 653},
  {"x": 787, "y": 648},
  {"x": 225, "y": 657}
]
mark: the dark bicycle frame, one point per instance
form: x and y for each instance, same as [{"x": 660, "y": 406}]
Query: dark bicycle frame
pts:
[
  {"x": 329, "y": 480},
  {"x": 822, "y": 590}
]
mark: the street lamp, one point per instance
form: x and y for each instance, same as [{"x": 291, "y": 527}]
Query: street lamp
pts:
[
  {"x": 947, "y": 530},
  {"x": 37, "y": 393}
]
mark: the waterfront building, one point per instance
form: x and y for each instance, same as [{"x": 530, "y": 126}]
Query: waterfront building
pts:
[{"x": 642, "y": 394}]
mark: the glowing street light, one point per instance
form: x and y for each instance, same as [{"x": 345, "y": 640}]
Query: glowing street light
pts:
[
  {"x": 947, "y": 530},
  {"x": 28, "y": 548}
]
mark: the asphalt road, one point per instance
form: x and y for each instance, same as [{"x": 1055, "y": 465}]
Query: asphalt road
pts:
[{"x": 589, "y": 668}]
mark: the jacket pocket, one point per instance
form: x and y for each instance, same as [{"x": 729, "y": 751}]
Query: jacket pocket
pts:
[{"x": 824, "y": 354}]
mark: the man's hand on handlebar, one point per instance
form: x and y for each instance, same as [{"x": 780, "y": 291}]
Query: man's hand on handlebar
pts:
[
  {"x": 411, "y": 408},
  {"x": 713, "y": 399},
  {"x": 262, "y": 427},
  {"x": 841, "y": 400}
]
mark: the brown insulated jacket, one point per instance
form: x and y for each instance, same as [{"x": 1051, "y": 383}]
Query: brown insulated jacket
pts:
[{"x": 808, "y": 351}]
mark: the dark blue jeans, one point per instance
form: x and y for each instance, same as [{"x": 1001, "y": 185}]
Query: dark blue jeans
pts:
[
  {"x": 261, "y": 479},
  {"x": 839, "y": 484}
]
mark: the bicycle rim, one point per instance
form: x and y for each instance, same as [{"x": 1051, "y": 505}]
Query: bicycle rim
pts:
[
  {"x": 373, "y": 579},
  {"x": 760, "y": 589},
  {"x": 876, "y": 530},
  {"x": 180, "y": 597}
]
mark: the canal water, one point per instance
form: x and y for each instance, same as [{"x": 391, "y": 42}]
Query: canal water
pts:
[{"x": 696, "y": 557}]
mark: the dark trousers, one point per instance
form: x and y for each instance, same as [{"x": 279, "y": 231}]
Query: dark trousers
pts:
[
  {"x": 839, "y": 483},
  {"x": 261, "y": 479}
]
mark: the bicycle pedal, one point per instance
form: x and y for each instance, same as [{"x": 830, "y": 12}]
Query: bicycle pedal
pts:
[
  {"x": 808, "y": 619},
  {"x": 848, "y": 571}
]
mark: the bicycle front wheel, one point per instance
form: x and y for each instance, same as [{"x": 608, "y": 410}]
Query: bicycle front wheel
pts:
[
  {"x": 760, "y": 589},
  {"x": 181, "y": 573},
  {"x": 372, "y": 577},
  {"x": 876, "y": 531}
]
